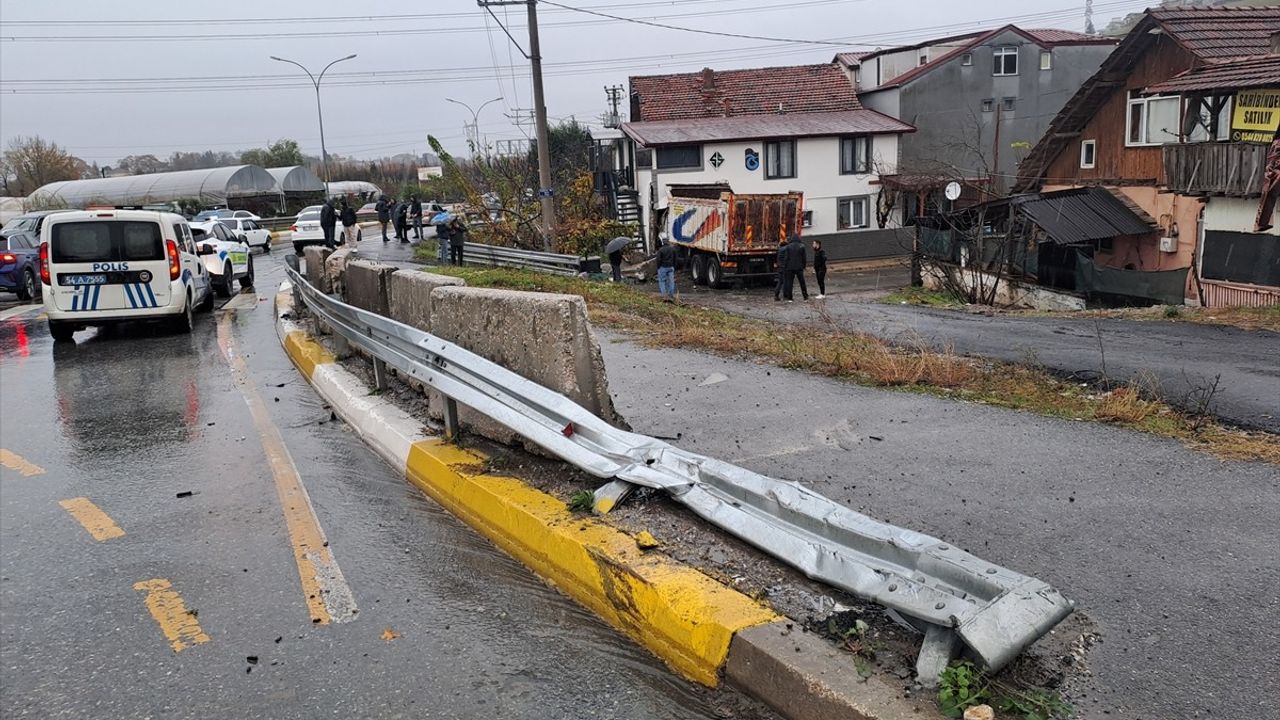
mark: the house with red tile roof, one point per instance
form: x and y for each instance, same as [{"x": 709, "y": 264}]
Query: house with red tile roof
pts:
[
  {"x": 767, "y": 130},
  {"x": 1182, "y": 120},
  {"x": 977, "y": 100}
]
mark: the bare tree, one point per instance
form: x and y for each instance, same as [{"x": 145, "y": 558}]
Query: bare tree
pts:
[{"x": 30, "y": 162}]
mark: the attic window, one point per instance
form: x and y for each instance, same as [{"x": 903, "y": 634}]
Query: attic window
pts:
[
  {"x": 966, "y": 59},
  {"x": 1006, "y": 60},
  {"x": 924, "y": 59}
]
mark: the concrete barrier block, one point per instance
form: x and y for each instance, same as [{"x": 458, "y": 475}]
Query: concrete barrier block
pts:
[
  {"x": 543, "y": 337},
  {"x": 314, "y": 257},
  {"x": 335, "y": 269},
  {"x": 411, "y": 296},
  {"x": 367, "y": 285}
]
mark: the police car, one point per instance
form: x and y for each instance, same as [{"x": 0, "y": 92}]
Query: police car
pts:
[
  {"x": 225, "y": 256},
  {"x": 100, "y": 267}
]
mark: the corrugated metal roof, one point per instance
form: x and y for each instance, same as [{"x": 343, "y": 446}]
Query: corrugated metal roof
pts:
[
  {"x": 1053, "y": 36},
  {"x": 791, "y": 89},
  {"x": 761, "y": 127},
  {"x": 1082, "y": 215},
  {"x": 1234, "y": 74}
]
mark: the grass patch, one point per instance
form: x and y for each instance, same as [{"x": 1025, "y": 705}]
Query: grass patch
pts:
[
  {"x": 1245, "y": 318},
  {"x": 868, "y": 360},
  {"x": 921, "y": 296}
]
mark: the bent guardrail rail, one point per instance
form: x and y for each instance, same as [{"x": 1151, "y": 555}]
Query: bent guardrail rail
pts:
[{"x": 954, "y": 596}]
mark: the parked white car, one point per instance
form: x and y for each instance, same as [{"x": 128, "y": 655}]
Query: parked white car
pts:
[
  {"x": 249, "y": 231},
  {"x": 306, "y": 229},
  {"x": 223, "y": 213},
  {"x": 225, "y": 256}
]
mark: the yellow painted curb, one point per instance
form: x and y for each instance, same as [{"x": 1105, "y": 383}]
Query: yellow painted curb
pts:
[
  {"x": 679, "y": 614},
  {"x": 305, "y": 352}
]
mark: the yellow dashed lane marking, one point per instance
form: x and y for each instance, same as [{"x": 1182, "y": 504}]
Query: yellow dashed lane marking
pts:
[
  {"x": 19, "y": 464},
  {"x": 178, "y": 624},
  {"x": 99, "y": 524}
]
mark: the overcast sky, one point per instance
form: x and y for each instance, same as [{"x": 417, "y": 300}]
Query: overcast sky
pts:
[{"x": 201, "y": 77}]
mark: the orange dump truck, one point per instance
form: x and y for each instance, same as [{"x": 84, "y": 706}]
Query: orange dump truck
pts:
[{"x": 732, "y": 237}]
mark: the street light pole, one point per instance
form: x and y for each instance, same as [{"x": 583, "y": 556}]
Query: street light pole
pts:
[
  {"x": 315, "y": 80},
  {"x": 474, "y": 134}
]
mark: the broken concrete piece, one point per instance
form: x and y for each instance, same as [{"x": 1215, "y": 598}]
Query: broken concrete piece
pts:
[
  {"x": 980, "y": 712},
  {"x": 713, "y": 379}
]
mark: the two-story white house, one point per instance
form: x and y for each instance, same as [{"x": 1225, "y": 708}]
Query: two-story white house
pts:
[{"x": 768, "y": 130}]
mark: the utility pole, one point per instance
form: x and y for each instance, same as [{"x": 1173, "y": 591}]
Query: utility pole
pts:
[
  {"x": 534, "y": 56},
  {"x": 614, "y": 120},
  {"x": 324, "y": 154}
]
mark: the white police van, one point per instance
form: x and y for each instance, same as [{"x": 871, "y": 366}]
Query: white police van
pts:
[{"x": 100, "y": 267}]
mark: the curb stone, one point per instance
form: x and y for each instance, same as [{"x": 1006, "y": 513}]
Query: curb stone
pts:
[{"x": 697, "y": 626}]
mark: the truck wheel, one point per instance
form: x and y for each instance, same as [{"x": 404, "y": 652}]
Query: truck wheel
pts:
[
  {"x": 714, "y": 273},
  {"x": 698, "y": 269}
]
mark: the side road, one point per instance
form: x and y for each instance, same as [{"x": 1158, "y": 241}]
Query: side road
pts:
[
  {"x": 1183, "y": 357},
  {"x": 1168, "y": 552}
]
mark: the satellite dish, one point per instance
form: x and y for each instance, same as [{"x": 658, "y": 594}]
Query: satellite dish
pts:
[{"x": 953, "y": 190}]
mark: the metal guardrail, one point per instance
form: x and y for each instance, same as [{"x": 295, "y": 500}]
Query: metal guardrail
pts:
[
  {"x": 498, "y": 256},
  {"x": 952, "y": 595}
]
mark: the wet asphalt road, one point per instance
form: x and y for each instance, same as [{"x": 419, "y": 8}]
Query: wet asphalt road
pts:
[
  {"x": 1170, "y": 554},
  {"x": 446, "y": 625}
]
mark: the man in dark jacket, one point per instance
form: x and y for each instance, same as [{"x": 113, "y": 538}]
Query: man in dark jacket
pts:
[
  {"x": 384, "y": 215},
  {"x": 328, "y": 221},
  {"x": 415, "y": 216},
  {"x": 797, "y": 260},
  {"x": 401, "y": 221},
  {"x": 347, "y": 216},
  {"x": 780, "y": 266},
  {"x": 667, "y": 270}
]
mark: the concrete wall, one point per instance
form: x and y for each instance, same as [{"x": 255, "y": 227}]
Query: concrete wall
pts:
[
  {"x": 314, "y": 258},
  {"x": 1008, "y": 292},
  {"x": 543, "y": 337},
  {"x": 945, "y": 105},
  {"x": 817, "y": 176}
]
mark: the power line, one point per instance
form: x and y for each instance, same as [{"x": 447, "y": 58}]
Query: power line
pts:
[{"x": 664, "y": 26}]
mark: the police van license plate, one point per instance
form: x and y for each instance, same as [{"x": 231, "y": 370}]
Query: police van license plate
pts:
[{"x": 95, "y": 279}]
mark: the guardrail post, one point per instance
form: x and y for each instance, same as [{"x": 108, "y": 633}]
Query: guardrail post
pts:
[
  {"x": 941, "y": 645},
  {"x": 380, "y": 375},
  {"x": 451, "y": 419}
]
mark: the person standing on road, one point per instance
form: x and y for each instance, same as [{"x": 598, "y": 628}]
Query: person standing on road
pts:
[
  {"x": 415, "y": 214},
  {"x": 796, "y": 263},
  {"x": 347, "y": 215},
  {"x": 780, "y": 265},
  {"x": 401, "y": 218},
  {"x": 457, "y": 240},
  {"x": 615, "y": 265},
  {"x": 384, "y": 215},
  {"x": 667, "y": 270},
  {"x": 442, "y": 240},
  {"x": 328, "y": 221},
  {"x": 819, "y": 268}
]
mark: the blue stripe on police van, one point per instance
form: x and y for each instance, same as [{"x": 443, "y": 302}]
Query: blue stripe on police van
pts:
[
  {"x": 128, "y": 292},
  {"x": 75, "y": 299},
  {"x": 97, "y": 292},
  {"x": 151, "y": 295}
]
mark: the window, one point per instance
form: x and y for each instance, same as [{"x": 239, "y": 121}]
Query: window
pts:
[
  {"x": 1006, "y": 60},
  {"x": 924, "y": 59},
  {"x": 1046, "y": 60},
  {"x": 988, "y": 105},
  {"x": 851, "y": 212},
  {"x": 855, "y": 155},
  {"x": 1152, "y": 121},
  {"x": 1006, "y": 104},
  {"x": 1088, "y": 153},
  {"x": 780, "y": 159},
  {"x": 806, "y": 219},
  {"x": 74, "y": 242},
  {"x": 679, "y": 157},
  {"x": 1204, "y": 119},
  {"x": 966, "y": 59},
  {"x": 1107, "y": 244}
]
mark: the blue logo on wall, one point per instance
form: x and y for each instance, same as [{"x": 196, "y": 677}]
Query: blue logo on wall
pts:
[{"x": 753, "y": 160}]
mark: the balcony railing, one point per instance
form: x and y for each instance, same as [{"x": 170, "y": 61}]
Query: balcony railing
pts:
[{"x": 1231, "y": 169}]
